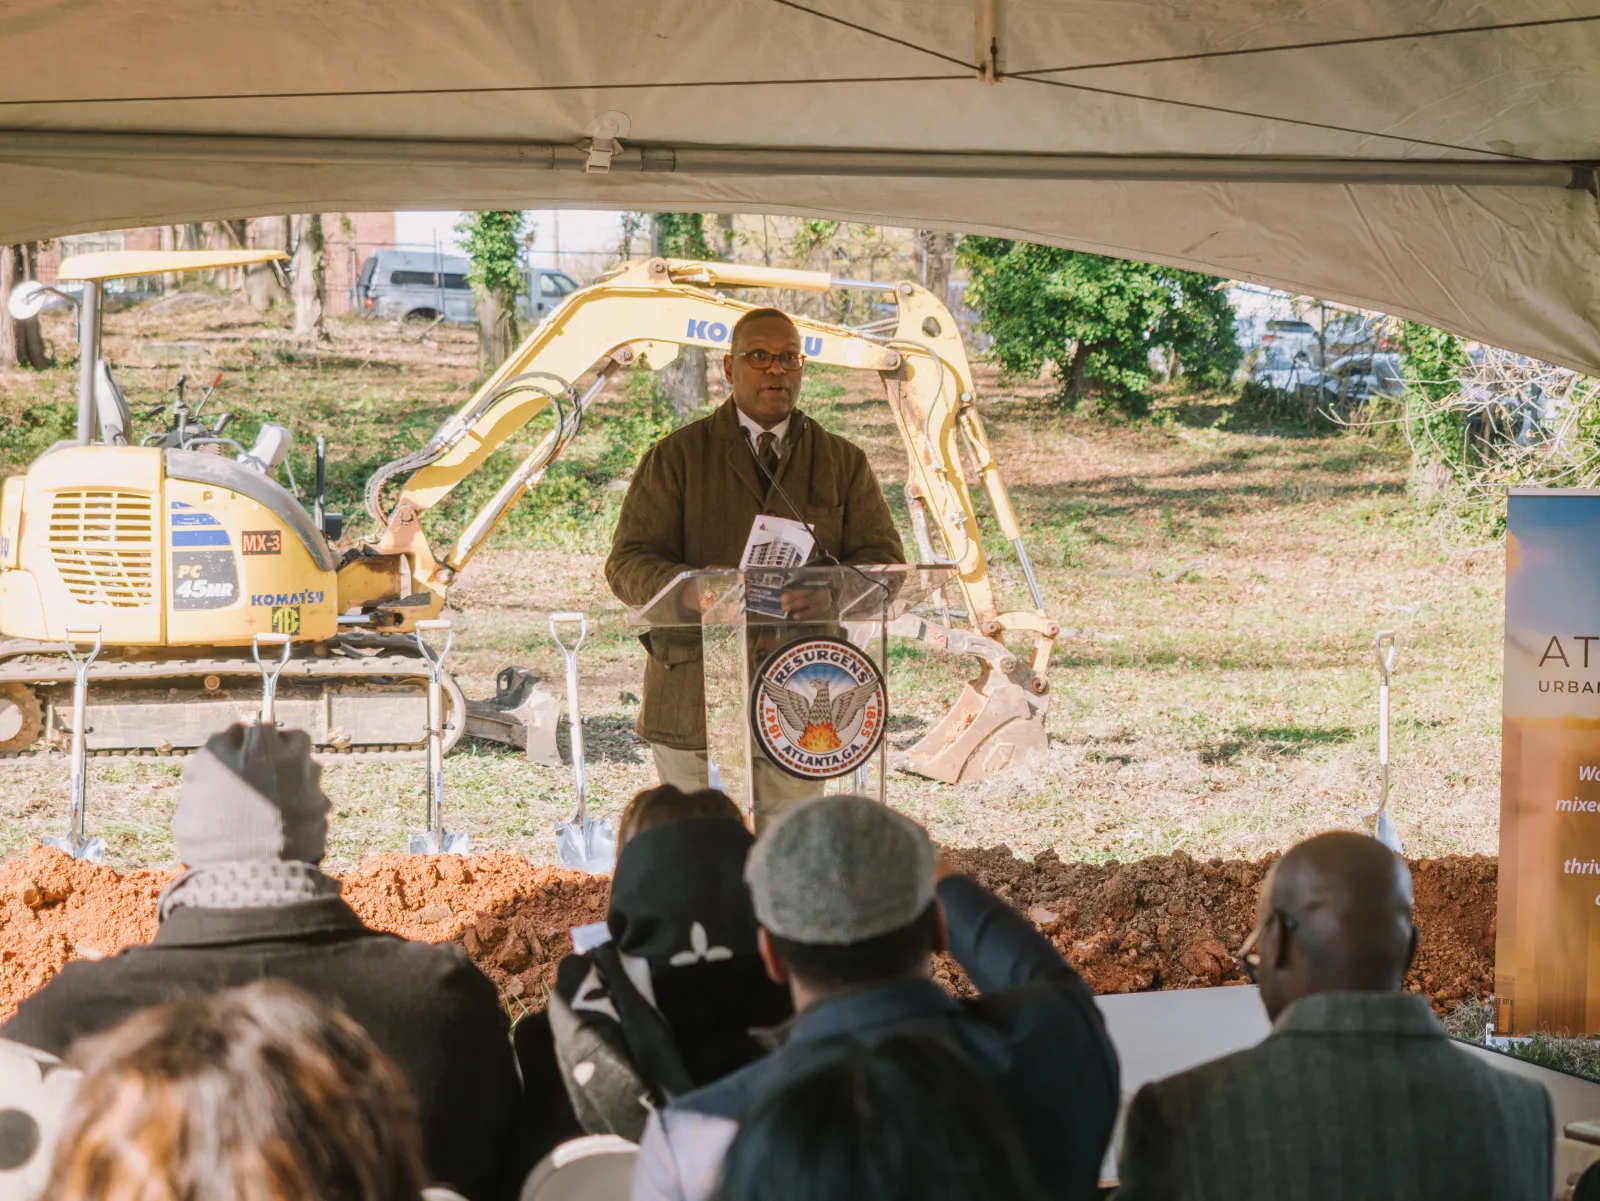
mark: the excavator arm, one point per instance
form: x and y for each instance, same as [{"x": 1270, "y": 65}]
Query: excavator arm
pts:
[{"x": 650, "y": 310}]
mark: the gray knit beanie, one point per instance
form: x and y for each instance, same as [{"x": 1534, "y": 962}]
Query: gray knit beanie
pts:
[
  {"x": 252, "y": 794},
  {"x": 840, "y": 870}
]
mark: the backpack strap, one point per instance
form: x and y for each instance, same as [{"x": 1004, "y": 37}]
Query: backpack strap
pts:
[{"x": 649, "y": 1037}]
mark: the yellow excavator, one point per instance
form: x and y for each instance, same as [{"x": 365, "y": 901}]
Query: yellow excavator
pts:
[{"x": 184, "y": 547}]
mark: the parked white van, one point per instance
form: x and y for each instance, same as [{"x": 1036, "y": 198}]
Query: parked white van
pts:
[{"x": 421, "y": 285}]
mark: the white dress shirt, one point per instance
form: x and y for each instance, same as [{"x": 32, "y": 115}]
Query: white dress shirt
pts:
[{"x": 779, "y": 431}]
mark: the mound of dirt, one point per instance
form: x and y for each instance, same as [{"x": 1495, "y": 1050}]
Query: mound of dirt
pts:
[
  {"x": 1167, "y": 922},
  {"x": 1173, "y": 921}
]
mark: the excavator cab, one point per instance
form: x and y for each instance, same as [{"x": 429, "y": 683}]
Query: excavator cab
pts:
[{"x": 179, "y": 548}]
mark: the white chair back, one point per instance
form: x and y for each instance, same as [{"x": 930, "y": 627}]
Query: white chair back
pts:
[
  {"x": 35, "y": 1091},
  {"x": 596, "y": 1167}
]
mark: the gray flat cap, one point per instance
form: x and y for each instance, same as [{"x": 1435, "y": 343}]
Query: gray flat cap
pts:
[
  {"x": 252, "y": 794},
  {"x": 840, "y": 870}
]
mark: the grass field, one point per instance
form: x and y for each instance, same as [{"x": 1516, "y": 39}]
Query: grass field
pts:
[{"x": 1221, "y": 581}]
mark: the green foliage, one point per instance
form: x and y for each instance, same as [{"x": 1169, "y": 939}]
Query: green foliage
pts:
[
  {"x": 646, "y": 418},
  {"x": 683, "y": 236},
  {"x": 1477, "y": 428},
  {"x": 1433, "y": 361},
  {"x": 36, "y": 429},
  {"x": 1469, "y": 1020},
  {"x": 575, "y": 505},
  {"x": 1097, "y": 319},
  {"x": 812, "y": 233},
  {"x": 493, "y": 241},
  {"x": 1431, "y": 371}
]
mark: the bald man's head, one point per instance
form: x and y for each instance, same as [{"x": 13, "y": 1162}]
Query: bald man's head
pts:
[{"x": 1335, "y": 914}]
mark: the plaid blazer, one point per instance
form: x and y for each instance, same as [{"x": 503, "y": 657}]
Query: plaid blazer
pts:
[
  {"x": 1354, "y": 1095},
  {"x": 691, "y": 504}
]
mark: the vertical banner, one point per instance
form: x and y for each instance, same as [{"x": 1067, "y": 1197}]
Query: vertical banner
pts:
[{"x": 1547, "y": 948}]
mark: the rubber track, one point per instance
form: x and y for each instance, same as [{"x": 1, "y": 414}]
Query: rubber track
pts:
[{"x": 56, "y": 669}]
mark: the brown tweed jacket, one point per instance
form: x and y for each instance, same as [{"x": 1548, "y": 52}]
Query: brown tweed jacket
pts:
[{"x": 691, "y": 505}]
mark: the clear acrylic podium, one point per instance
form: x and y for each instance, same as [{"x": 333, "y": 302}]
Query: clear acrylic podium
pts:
[{"x": 743, "y": 616}]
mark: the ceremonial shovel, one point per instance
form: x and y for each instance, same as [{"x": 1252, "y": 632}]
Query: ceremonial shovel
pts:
[
  {"x": 269, "y": 674},
  {"x": 1378, "y": 821},
  {"x": 437, "y": 841},
  {"x": 582, "y": 843},
  {"x": 75, "y": 844}
]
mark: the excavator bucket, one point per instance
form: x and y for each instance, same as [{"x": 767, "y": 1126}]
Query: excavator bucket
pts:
[
  {"x": 994, "y": 724},
  {"x": 522, "y": 714},
  {"x": 998, "y": 720}
]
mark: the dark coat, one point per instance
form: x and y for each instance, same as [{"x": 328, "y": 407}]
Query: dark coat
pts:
[
  {"x": 1034, "y": 1034},
  {"x": 691, "y": 504},
  {"x": 1352, "y": 1095},
  {"x": 426, "y": 1007}
]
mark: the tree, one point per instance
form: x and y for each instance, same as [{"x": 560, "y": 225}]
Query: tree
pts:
[
  {"x": 683, "y": 236},
  {"x": 263, "y": 287},
  {"x": 1431, "y": 370},
  {"x": 493, "y": 241},
  {"x": 1097, "y": 319},
  {"x": 1433, "y": 360},
  {"x": 680, "y": 236},
  {"x": 725, "y": 235},
  {"x": 310, "y": 285},
  {"x": 21, "y": 342},
  {"x": 933, "y": 261}
]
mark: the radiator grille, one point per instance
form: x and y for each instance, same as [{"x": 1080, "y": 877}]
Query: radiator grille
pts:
[{"x": 104, "y": 546}]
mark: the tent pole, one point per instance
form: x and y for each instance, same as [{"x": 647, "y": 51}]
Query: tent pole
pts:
[{"x": 83, "y": 147}]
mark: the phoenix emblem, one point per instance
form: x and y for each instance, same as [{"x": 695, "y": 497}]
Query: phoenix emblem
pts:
[{"x": 821, "y": 717}]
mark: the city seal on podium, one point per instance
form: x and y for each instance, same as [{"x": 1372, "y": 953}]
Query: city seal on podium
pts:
[{"x": 818, "y": 707}]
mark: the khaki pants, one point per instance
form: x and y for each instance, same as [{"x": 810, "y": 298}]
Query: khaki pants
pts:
[{"x": 775, "y": 790}]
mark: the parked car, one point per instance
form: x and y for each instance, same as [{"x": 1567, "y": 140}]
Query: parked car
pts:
[
  {"x": 1290, "y": 338},
  {"x": 1356, "y": 378},
  {"x": 1277, "y": 368},
  {"x": 419, "y": 285}
]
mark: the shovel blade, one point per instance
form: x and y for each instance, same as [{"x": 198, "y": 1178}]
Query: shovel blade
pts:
[
  {"x": 1383, "y": 830},
  {"x": 92, "y": 850},
  {"x": 590, "y": 847},
  {"x": 448, "y": 844}
]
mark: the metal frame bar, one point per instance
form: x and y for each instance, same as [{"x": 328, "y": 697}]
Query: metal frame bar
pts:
[{"x": 77, "y": 145}]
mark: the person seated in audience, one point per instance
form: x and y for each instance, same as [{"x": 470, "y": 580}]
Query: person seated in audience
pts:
[
  {"x": 1358, "y": 1091},
  {"x": 668, "y": 1003},
  {"x": 251, "y": 826},
  {"x": 904, "y": 1119},
  {"x": 852, "y": 909},
  {"x": 250, "y": 1094}
]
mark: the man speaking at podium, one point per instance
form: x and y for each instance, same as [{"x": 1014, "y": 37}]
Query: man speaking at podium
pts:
[{"x": 692, "y": 504}]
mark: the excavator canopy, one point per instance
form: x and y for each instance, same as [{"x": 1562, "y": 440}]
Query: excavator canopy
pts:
[{"x": 124, "y": 264}]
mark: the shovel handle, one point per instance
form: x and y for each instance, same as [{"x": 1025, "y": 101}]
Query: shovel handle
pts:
[
  {"x": 78, "y": 635},
  {"x": 434, "y": 656},
  {"x": 1383, "y": 646},
  {"x": 581, "y": 620},
  {"x": 574, "y": 718}
]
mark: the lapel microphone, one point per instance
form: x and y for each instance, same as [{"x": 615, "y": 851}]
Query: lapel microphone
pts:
[{"x": 822, "y": 558}]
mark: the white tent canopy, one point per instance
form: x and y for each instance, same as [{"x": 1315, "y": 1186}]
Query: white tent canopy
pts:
[{"x": 1428, "y": 159}]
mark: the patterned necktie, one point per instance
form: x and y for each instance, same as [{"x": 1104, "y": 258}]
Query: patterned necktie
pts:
[{"x": 767, "y": 452}]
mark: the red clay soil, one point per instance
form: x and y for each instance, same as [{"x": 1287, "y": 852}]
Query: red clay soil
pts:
[
  {"x": 1157, "y": 923},
  {"x": 1170, "y": 922}
]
